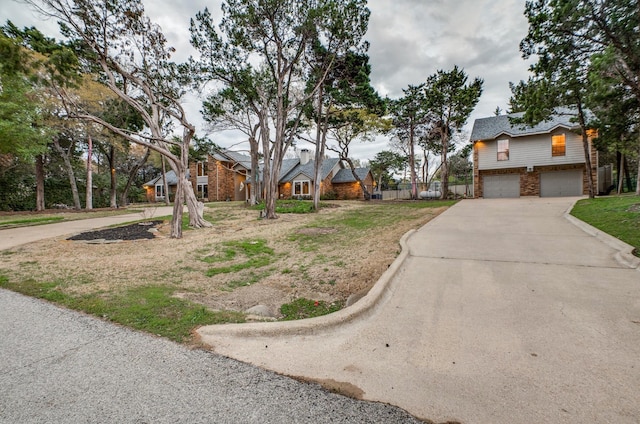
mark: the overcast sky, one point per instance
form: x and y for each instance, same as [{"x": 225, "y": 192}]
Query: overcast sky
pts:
[{"x": 409, "y": 40}]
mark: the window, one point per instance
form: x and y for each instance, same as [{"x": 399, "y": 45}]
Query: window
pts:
[
  {"x": 202, "y": 169},
  {"x": 558, "y": 145},
  {"x": 302, "y": 188},
  {"x": 503, "y": 149},
  {"x": 203, "y": 191},
  {"x": 160, "y": 191}
]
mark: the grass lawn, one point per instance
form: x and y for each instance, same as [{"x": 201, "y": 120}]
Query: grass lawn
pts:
[
  {"x": 618, "y": 216},
  {"x": 304, "y": 264}
]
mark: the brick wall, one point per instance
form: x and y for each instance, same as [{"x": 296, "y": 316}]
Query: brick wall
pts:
[
  {"x": 221, "y": 185},
  {"x": 350, "y": 191}
]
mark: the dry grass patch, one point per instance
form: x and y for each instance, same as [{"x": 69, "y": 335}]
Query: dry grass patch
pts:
[{"x": 241, "y": 261}]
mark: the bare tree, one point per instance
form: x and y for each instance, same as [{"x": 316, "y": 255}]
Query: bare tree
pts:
[
  {"x": 117, "y": 41},
  {"x": 278, "y": 36}
]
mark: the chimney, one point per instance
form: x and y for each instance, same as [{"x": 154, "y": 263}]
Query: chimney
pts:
[{"x": 305, "y": 156}]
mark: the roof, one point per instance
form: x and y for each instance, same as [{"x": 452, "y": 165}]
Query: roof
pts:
[
  {"x": 172, "y": 179},
  {"x": 308, "y": 169},
  {"x": 495, "y": 126},
  {"x": 346, "y": 176},
  {"x": 286, "y": 167},
  {"x": 231, "y": 156}
]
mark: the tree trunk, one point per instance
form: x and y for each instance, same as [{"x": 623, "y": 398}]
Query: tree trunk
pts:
[
  {"x": 188, "y": 196},
  {"x": 70, "y": 173},
  {"x": 412, "y": 165},
  {"x": 621, "y": 175},
  {"x": 40, "y": 182},
  {"x": 113, "y": 200},
  {"x": 587, "y": 149},
  {"x": 132, "y": 174},
  {"x": 627, "y": 174},
  {"x": 89, "y": 188},
  {"x": 176, "y": 218},
  {"x": 270, "y": 173},
  {"x": 638, "y": 177},
  {"x": 320, "y": 146},
  {"x": 255, "y": 195},
  {"x": 444, "y": 166},
  {"x": 165, "y": 183}
]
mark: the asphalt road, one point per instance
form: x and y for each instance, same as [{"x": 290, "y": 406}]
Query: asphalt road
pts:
[{"x": 59, "y": 366}]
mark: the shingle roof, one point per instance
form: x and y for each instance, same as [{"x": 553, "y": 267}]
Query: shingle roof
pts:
[
  {"x": 172, "y": 179},
  {"x": 231, "y": 156},
  {"x": 346, "y": 176},
  {"x": 495, "y": 126},
  {"x": 308, "y": 169},
  {"x": 286, "y": 167}
]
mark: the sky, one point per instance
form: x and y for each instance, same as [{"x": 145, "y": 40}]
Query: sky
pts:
[{"x": 409, "y": 41}]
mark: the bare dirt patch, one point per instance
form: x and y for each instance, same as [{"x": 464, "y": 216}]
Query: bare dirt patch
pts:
[{"x": 322, "y": 256}]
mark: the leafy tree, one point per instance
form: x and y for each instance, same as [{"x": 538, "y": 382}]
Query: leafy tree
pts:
[
  {"x": 617, "y": 112},
  {"x": 116, "y": 40},
  {"x": 566, "y": 34},
  {"x": 279, "y": 37},
  {"x": 37, "y": 64},
  {"x": 346, "y": 107},
  {"x": 450, "y": 99},
  {"x": 459, "y": 164},
  {"x": 384, "y": 164},
  {"x": 410, "y": 118},
  {"x": 231, "y": 109},
  {"x": 354, "y": 109}
]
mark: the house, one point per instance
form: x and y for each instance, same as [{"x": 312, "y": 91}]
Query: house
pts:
[
  {"x": 545, "y": 160},
  {"x": 154, "y": 189},
  {"x": 224, "y": 175},
  {"x": 336, "y": 180}
]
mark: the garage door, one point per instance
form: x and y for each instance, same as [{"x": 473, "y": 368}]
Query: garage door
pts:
[
  {"x": 561, "y": 183},
  {"x": 496, "y": 186}
]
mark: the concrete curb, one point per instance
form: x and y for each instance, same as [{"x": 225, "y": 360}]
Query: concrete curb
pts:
[
  {"x": 363, "y": 308},
  {"x": 624, "y": 256}
]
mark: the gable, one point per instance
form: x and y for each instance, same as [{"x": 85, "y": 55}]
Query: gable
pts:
[{"x": 308, "y": 169}]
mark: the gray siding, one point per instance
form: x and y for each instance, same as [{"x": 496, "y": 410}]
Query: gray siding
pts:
[{"x": 530, "y": 151}]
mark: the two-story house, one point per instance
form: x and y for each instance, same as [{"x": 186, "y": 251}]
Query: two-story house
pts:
[{"x": 513, "y": 160}]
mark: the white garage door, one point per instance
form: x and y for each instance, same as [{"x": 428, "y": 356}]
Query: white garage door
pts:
[
  {"x": 561, "y": 183},
  {"x": 496, "y": 186}
]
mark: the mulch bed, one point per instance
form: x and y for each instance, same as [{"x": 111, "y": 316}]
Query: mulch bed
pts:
[{"x": 139, "y": 231}]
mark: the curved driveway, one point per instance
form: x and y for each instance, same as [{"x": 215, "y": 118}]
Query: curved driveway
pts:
[{"x": 503, "y": 311}]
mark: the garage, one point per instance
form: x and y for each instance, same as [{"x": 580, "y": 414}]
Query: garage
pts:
[
  {"x": 561, "y": 183},
  {"x": 501, "y": 186}
]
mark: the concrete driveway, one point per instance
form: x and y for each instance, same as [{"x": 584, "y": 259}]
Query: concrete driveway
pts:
[{"x": 499, "y": 311}]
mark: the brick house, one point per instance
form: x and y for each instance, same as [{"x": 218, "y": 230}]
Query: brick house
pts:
[
  {"x": 226, "y": 175},
  {"x": 337, "y": 180},
  {"x": 546, "y": 160},
  {"x": 154, "y": 189}
]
